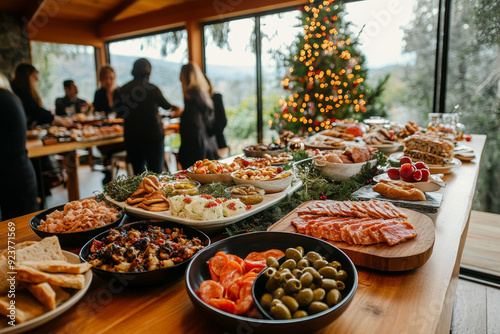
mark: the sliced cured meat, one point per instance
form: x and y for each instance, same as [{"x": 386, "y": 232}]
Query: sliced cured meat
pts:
[
  {"x": 256, "y": 260},
  {"x": 375, "y": 233},
  {"x": 300, "y": 224},
  {"x": 360, "y": 235},
  {"x": 394, "y": 234},
  {"x": 210, "y": 290},
  {"x": 217, "y": 262},
  {"x": 397, "y": 213},
  {"x": 229, "y": 273},
  {"x": 231, "y": 257},
  {"x": 223, "y": 305},
  {"x": 245, "y": 300}
]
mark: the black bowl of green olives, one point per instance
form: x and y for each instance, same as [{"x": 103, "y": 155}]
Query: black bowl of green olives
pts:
[
  {"x": 300, "y": 284},
  {"x": 244, "y": 244}
]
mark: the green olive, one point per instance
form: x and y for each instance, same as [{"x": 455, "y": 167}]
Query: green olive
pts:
[
  {"x": 272, "y": 262},
  {"x": 327, "y": 284},
  {"x": 280, "y": 311},
  {"x": 328, "y": 272},
  {"x": 297, "y": 273},
  {"x": 292, "y": 285},
  {"x": 304, "y": 297},
  {"x": 316, "y": 307},
  {"x": 319, "y": 294},
  {"x": 303, "y": 263},
  {"x": 340, "y": 285},
  {"x": 318, "y": 264},
  {"x": 270, "y": 272},
  {"x": 301, "y": 250},
  {"x": 273, "y": 282},
  {"x": 284, "y": 271},
  {"x": 289, "y": 264},
  {"x": 306, "y": 279},
  {"x": 300, "y": 314},
  {"x": 294, "y": 254},
  {"x": 278, "y": 293},
  {"x": 287, "y": 276},
  {"x": 335, "y": 264},
  {"x": 313, "y": 286},
  {"x": 333, "y": 297},
  {"x": 313, "y": 256},
  {"x": 316, "y": 276},
  {"x": 266, "y": 301},
  {"x": 341, "y": 275},
  {"x": 290, "y": 303}
]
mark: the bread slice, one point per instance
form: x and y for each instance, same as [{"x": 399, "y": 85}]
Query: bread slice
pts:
[
  {"x": 399, "y": 190},
  {"x": 58, "y": 266},
  {"x": 4, "y": 269},
  {"x": 47, "y": 249},
  {"x": 44, "y": 293},
  {"x": 26, "y": 307},
  {"x": 61, "y": 294},
  {"x": 30, "y": 275},
  {"x": 20, "y": 245}
]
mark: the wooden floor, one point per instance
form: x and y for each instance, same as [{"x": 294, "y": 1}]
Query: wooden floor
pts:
[
  {"x": 482, "y": 246},
  {"x": 477, "y": 309}
]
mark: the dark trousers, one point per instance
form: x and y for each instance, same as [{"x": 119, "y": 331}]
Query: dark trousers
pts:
[{"x": 144, "y": 155}]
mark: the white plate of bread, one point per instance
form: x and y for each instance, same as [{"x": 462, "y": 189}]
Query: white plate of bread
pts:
[
  {"x": 435, "y": 182},
  {"x": 49, "y": 281}
]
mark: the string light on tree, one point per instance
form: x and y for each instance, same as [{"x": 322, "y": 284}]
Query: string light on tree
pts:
[{"x": 326, "y": 71}]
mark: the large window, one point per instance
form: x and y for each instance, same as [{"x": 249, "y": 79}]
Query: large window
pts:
[
  {"x": 166, "y": 51},
  {"x": 58, "y": 62},
  {"x": 230, "y": 65}
]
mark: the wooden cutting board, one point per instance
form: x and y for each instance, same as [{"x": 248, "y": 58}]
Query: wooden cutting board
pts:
[{"x": 408, "y": 255}]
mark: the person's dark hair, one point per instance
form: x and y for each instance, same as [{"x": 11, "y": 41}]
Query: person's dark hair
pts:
[
  {"x": 141, "y": 69},
  {"x": 23, "y": 82},
  {"x": 67, "y": 83}
]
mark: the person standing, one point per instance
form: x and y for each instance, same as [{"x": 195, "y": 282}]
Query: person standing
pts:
[
  {"x": 18, "y": 187},
  {"x": 104, "y": 96},
  {"x": 70, "y": 104},
  {"x": 220, "y": 121},
  {"x": 138, "y": 104},
  {"x": 197, "y": 121}
]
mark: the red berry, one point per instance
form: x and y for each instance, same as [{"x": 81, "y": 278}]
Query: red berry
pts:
[
  {"x": 421, "y": 165},
  {"x": 417, "y": 175},
  {"x": 405, "y": 160},
  {"x": 393, "y": 173},
  {"x": 468, "y": 137},
  {"x": 425, "y": 175},
  {"x": 406, "y": 172}
]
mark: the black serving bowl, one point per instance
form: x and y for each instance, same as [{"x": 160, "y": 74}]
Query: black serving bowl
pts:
[
  {"x": 242, "y": 245},
  {"x": 153, "y": 277},
  {"x": 74, "y": 239}
]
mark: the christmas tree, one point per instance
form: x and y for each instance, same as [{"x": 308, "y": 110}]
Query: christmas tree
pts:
[{"x": 326, "y": 73}]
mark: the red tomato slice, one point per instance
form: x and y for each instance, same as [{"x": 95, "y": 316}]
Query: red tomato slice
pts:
[{"x": 209, "y": 290}]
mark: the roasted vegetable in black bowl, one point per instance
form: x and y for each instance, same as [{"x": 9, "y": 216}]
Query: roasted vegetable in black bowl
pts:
[{"x": 144, "y": 253}]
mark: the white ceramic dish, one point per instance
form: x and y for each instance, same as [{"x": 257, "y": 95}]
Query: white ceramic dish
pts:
[
  {"x": 270, "y": 186},
  {"x": 341, "y": 172},
  {"x": 387, "y": 148},
  {"x": 434, "y": 169},
  {"x": 38, "y": 321},
  {"x": 434, "y": 184},
  {"x": 209, "y": 225}
]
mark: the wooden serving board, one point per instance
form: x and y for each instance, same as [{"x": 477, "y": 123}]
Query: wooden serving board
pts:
[
  {"x": 430, "y": 205},
  {"x": 408, "y": 255}
]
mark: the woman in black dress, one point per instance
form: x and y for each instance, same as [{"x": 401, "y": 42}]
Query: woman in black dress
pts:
[
  {"x": 18, "y": 188},
  {"x": 143, "y": 127},
  {"x": 197, "y": 124},
  {"x": 104, "y": 96}
]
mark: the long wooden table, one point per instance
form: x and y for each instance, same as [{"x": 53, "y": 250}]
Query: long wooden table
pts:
[{"x": 417, "y": 301}]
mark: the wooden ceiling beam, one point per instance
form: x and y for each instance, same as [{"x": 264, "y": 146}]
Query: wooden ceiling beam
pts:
[
  {"x": 117, "y": 10},
  {"x": 68, "y": 32},
  {"x": 33, "y": 9},
  {"x": 178, "y": 15}
]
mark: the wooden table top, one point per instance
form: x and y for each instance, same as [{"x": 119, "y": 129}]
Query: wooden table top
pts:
[
  {"x": 417, "y": 301},
  {"x": 36, "y": 148}
]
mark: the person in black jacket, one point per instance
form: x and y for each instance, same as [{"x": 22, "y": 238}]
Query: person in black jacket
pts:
[
  {"x": 104, "y": 96},
  {"x": 18, "y": 187},
  {"x": 220, "y": 121},
  {"x": 143, "y": 127},
  {"x": 197, "y": 122},
  {"x": 70, "y": 104}
]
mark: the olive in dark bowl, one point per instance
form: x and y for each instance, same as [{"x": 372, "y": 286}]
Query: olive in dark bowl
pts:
[
  {"x": 242, "y": 245},
  {"x": 71, "y": 239},
  {"x": 161, "y": 275}
]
